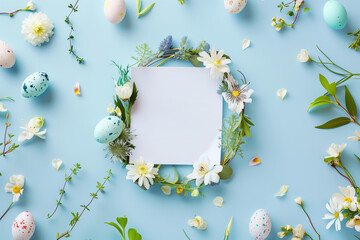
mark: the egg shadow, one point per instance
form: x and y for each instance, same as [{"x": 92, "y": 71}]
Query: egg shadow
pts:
[
  {"x": 247, "y": 12},
  {"x": 46, "y": 97},
  {"x": 126, "y": 22}
]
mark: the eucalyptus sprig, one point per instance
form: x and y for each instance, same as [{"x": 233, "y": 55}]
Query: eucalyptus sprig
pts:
[
  {"x": 121, "y": 225},
  {"x": 7, "y": 145},
  {"x": 68, "y": 178},
  {"x": 296, "y": 6},
  {"x": 350, "y": 105},
  {"x": 330, "y": 65},
  {"x": 74, "y": 9},
  {"x": 76, "y": 216},
  {"x": 145, "y": 10},
  {"x": 356, "y": 44}
]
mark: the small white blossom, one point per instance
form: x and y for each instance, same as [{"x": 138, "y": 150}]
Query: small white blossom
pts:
[
  {"x": 205, "y": 172},
  {"x": 30, "y": 6},
  {"x": 198, "y": 222},
  {"x": 15, "y": 186},
  {"x": 32, "y": 129},
  {"x": 303, "y": 56}
]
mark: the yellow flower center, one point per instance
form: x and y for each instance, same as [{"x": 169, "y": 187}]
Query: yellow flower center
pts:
[
  {"x": 38, "y": 30},
  {"x": 16, "y": 189},
  {"x": 347, "y": 200},
  {"x": 235, "y": 93},
  {"x": 142, "y": 170},
  {"x": 202, "y": 169},
  {"x": 336, "y": 215},
  {"x": 217, "y": 62}
]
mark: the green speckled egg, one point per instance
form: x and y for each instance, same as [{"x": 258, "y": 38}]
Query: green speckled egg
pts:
[
  {"x": 108, "y": 129},
  {"x": 335, "y": 15},
  {"x": 35, "y": 85}
]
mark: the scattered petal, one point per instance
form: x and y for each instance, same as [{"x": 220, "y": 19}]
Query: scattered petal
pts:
[
  {"x": 254, "y": 162},
  {"x": 281, "y": 93},
  {"x": 77, "y": 89},
  {"x": 218, "y": 201},
  {"x": 56, "y": 163},
  {"x": 166, "y": 190},
  {"x": 245, "y": 44},
  {"x": 2, "y": 108},
  {"x": 283, "y": 191}
]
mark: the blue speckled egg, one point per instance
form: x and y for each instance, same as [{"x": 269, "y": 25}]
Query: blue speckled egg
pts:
[
  {"x": 35, "y": 85},
  {"x": 260, "y": 225},
  {"x": 335, "y": 15},
  {"x": 108, "y": 129}
]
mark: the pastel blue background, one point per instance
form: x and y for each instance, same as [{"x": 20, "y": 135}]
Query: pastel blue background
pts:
[{"x": 284, "y": 138}]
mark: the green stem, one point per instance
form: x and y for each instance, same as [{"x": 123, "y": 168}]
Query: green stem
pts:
[{"x": 6, "y": 211}]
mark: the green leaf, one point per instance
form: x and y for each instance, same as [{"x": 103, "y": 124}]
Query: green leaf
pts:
[
  {"x": 133, "y": 96},
  {"x": 115, "y": 226},
  {"x": 119, "y": 104},
  {"x": 306, "y": 9},
  {"x": 133, "y": 234},
  {"x": 145, "y": 10},
  {"x": 246, "y": 129},
  {"x": 122, "y": 221},
  {"x": 329, "y": 159},
  {"x": 357, "y": 237},
  {"x": 290, "y": 13},
  {"x": 331, "y": 88},
  {"x": 334, "y": 123},
  {"x": 357, "y": 157},
  {"x": 138, "y": 5},
  {"x": 320, "y": 101},
  {"x": 226, "y": 172},
  {"x": 350, "y": 103},
  {"x": 194, "y": 61}
]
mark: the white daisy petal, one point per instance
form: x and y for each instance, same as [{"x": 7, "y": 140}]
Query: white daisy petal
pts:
[
  {"x": 281, "y": 93},
  {"x": 56, "y": 163},
  {"x": 245, "y": 44},
  {"x": 218, "y": 201},
  {"x": 283, "y": 190}
]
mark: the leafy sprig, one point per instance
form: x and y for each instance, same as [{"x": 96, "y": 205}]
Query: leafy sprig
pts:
[
  {"x": 76, "y": 216},
  {"x": 74, "y": 9},
  {"x": 356, "y": 44},
  {"x": 350, "y": 105},
  {"x": 121, "y": 225},
  {"x": 144, "y": 53},
  {"x": 279, "y": 23},
  {"x": 68, "y": 178},
  {"x": 7, "y": 145},
  {"x": 330, "y": 65},
  {"x": 145, "y": 10}
]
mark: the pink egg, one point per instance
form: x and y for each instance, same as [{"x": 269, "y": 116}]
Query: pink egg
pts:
[
  {"x": 234, "y": 6},
  {"x": 23, "y": 227},
  {"x": 115, "y": 10},
  {"x": 7, "y": 56}
]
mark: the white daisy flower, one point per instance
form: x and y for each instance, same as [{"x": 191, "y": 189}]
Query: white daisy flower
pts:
[
  {"x": 37, "y": 28},
  {"x": 336, "y": 216},
  {"x": 352, "y": 138},
  {"x": 236, "y": 96},
  {"x": 216, "y": 62},
  {"x": 142, "y": 172},
  {"x": 32, "y": 129},
  {"x": 205, "y": 172},
  {"x": 347, "y": 198},
  {"x": 15, "y": 186}
]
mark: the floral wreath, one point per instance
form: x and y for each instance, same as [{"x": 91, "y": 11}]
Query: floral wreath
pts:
[{"x": 236, "y": 127}]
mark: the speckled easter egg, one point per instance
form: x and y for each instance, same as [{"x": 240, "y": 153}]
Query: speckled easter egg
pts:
[
  {"x": 7, "y": 56},
  {"x": 115, "y": 10},
  {"x": 260, "y": 225},
  {"x": 108, "y": 129},
  {"x": 335, "y": 15},
  {"x": 234, "y": 6},
  {"x": 35, "y": 84},
  {"x": 23, "y": 227}
]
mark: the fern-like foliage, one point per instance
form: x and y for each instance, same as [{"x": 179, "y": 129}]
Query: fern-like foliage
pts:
[
  {"x": 144, "y": 53},
  {"x": 121, "y": 148}
]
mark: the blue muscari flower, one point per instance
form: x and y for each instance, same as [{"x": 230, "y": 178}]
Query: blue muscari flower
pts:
[
  {"x": 207, "y": 47},
  {"x": 166, "y": 44}
]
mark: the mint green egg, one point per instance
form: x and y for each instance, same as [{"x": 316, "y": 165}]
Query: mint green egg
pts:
[
  {"x": 335, "y": 15},
  {"x": 108, "y": 129}
]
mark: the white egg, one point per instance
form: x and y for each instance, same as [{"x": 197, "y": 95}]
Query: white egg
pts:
[
  {"x": 23, "y": 227},
  {"x": 260, "y": 225},
  {"x": 115, "y": 10},
  {"x": 234, "y": 6},
  {"x": 7, "y": 56}
]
